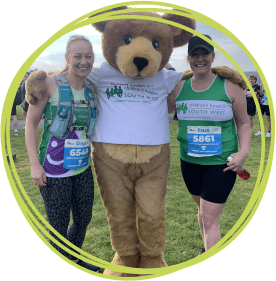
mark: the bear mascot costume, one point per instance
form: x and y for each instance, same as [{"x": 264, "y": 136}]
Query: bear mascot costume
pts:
[{"x": 131, "y": 153}]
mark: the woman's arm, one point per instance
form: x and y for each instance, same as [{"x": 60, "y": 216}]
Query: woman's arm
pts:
[
  {"x": 243, "y": 125},
  {"x": 93, "y": 90},
  {"x": 247, "y": 94},
  {"x": 261, "y": 89},
  {"x": 261, "y": 93},
  {"x": 172, "y": 96},
  {"x": 23, "y": 102}
]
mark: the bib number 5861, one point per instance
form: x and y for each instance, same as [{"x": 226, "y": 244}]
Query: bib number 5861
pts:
[{"x": 203, "y": 138}]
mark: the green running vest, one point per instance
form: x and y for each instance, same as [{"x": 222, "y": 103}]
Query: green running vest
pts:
[
  {"x": 206, "y": 132},
  {"x": 51, "y": 149}
]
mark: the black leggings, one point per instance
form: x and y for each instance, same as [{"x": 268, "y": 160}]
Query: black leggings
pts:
[
  {"x": 61, "y": 195},
  {"x": 208, "y": 181}
]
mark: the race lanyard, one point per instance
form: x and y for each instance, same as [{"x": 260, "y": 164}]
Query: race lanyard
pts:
[
  {"x": 204, "y": 141},
  {"x": 76, "y": 153}
]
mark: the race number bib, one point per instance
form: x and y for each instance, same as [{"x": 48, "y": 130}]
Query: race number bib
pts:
[
  {"x": 76, "y": 153},
  {"x": 204, "y": 141}
]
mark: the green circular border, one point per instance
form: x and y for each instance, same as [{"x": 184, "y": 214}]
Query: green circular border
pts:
[{"x": 33, "y": 213}]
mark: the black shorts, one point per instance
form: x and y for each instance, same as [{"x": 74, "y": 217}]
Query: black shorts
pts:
[
  {"x": 265, "y": 110},
  {"x": 13, "y": 112},
  {"x": 26, "y": 107},
  {"x": 208, "y": 181},
  {"x": 251, "y": 106}
]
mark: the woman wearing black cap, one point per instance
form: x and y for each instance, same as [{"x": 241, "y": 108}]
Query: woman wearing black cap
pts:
[{"x": 206, "y": 108}]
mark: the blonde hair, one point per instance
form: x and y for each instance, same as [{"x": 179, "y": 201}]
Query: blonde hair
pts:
[{"x": 72, "y": 39}]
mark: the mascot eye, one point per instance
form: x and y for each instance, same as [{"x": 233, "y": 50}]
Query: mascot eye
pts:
[
  {"x": 155, "y": 44},
  {"x": 127, "y": 40}
]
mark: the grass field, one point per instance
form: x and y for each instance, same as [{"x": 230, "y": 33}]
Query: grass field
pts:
[
  {"x": 19, "y": 114},
  {"x": 183, "y": 235}
]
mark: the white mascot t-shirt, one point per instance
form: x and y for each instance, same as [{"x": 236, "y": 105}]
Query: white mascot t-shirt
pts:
[{"x": 132, "y": 110}]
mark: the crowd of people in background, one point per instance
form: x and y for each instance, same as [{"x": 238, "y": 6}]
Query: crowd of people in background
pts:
[
  {"x": 259, "y": 91},
  {"x": 265, "y": 111},
  {"x": 19, "y": 100}
]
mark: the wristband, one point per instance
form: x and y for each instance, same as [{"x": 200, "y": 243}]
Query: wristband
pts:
[{"x": 171, "y": 68}]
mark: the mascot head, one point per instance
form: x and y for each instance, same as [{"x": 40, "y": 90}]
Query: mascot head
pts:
[{"x": 141, "y": 48}]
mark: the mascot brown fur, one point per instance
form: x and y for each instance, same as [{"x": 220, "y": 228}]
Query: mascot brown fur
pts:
[
  {"x": 132, "y": 178},
  {"x": 224, "y": 72}
]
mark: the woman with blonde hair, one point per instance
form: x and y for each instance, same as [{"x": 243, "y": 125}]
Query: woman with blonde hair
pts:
[{"x": 62, "y": 169}]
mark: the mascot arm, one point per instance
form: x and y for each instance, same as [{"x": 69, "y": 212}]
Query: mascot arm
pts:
[
  {"x": 223, "y": 71},
  {"x": 36, "y": 87},
  {"x": 232, "y": 75}
]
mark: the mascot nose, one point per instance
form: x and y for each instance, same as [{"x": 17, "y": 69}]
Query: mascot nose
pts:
[{"x": 140, "y": 63}]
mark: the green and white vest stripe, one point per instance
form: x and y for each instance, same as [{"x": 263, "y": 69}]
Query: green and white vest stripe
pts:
[{"x": 209, "y": 110}]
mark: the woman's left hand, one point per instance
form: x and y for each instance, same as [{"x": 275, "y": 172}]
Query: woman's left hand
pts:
[{"x": 236, "y": 164}]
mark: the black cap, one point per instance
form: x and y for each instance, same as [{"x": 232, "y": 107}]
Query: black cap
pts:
[{"x": 197, "y": 42}]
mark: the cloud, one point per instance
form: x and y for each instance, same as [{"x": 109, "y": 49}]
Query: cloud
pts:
[
  {"x": 47, "y": 65},
  {"x": 53, "y": 56},
  {"x": 87, "y": 30}
]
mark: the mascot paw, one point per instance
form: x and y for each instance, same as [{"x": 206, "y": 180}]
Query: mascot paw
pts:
[
  {"x": 152, "y": 262},
  {"x": 187, "y": 74},
  {"x": 129, "y": 261},
  {"x": 36, "y": 86},
  {"x": 231, "y": 74}
]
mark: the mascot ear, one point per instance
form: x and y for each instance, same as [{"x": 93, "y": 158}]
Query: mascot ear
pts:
[
  {"x": 100, "y": 26},
  {"x": 181, "y": 36}
]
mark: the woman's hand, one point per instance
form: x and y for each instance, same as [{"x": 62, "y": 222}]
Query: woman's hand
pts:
[
  {"x": 38, "y": 175},
  {"x": 236, "y": 163},
  {"x": 239, "y": 106},
  {"x": 167, "y": 66}
]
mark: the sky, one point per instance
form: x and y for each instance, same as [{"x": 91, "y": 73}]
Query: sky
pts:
[{"x": 53, "y": 57}]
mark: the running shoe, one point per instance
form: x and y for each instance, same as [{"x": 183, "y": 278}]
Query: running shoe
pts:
[
  {"x": 258, "y": 134},
  {"x": 16, "y": 133},
  {"x": 201, "y": 251},
  {"x": 268, "y": 135},
  {"x": 88, "y": 266},
  {"x": 13, "y": 157}
]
